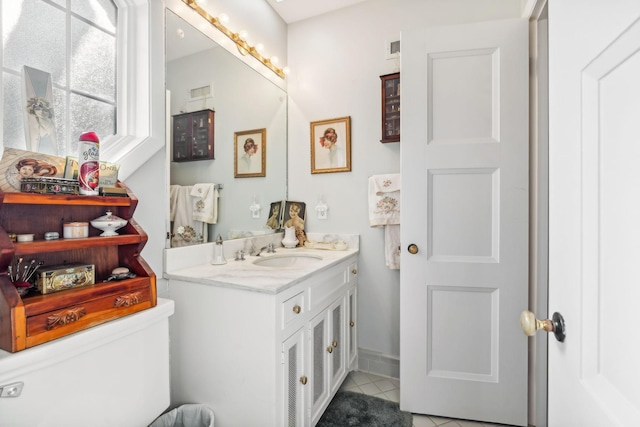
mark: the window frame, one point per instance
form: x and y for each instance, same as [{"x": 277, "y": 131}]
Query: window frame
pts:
[{"x": 140, "y": 99}]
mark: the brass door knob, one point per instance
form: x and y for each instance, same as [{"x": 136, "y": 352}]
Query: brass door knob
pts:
[
  {"x": 296, "y": 309},
  {"x": 335, "y": 343},
  {"x": 413, "y": 249},
  {"x": 303, "y": 380},
  {"x": 330, "y": 349},
  {"x": 530, "y": 325}
]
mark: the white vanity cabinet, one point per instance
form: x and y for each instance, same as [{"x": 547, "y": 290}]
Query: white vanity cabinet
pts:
[{"x": 264, "y": 358}]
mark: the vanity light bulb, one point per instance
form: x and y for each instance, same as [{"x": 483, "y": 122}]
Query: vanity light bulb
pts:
[
  {"x": 260, "y": 47},
  {"x": 224, "y": 18},
  {"x": 274, "y": 60},
  {"x": 286, "y": 70},
  {"x": 243, "y": 35}
]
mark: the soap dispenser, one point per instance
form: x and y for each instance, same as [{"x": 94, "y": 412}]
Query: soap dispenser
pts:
[{"x": 218, "y": 252}]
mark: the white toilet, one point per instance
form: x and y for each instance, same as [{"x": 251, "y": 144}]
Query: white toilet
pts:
[{"x": 114, "y": 374}]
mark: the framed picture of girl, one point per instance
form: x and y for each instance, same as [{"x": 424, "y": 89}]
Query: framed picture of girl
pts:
[
  {"x": 293, "y": 215},
  {"x": 275, "y": 216},
  {"x": 250, "y": 152},
  {"x": 331, "y": 145}
]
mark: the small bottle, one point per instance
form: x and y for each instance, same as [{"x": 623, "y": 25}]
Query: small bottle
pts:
[
  {"x": 89, "y": 164},
  {"x": 218, "y": 252}
]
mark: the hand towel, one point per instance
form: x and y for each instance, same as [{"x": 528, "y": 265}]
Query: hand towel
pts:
[
  {"x": 384, "y": 211},
  {"x": 384, "y": 199},
  {"x": 392, "y": 246},
  {"x": 205, "y": 203}
]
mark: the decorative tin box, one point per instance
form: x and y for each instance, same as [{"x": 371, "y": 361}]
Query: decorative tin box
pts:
[
  {"x": 61, "y": 277},
  {"x": 45, "y": 185}
]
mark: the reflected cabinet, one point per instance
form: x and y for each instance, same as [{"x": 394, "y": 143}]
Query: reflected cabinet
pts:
[
  {"x": 390, "y": 107},
  {"x": 193, "y": 136}
]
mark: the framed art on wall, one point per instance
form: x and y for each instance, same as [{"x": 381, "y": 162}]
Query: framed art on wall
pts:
[
  {"x": 250, "y": 153},
  {"x": 331, "y": 145}
]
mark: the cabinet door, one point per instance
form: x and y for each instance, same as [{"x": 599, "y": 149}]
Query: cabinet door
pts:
[
  {"x": 181, "y": 137},
  {"x": 390, "y": 107},
  {"x": 352, "y": 335},
  {"x": 328, "y": 355},
  {"x": 294, "y": 379},
  {"x": 336, "y": 347},
  {"x": 318, "y": 369},
  {"x": 202, "y": 131}
]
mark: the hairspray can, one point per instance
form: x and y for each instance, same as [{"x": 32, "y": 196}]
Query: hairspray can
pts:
[{"x": 88, "y": 163}]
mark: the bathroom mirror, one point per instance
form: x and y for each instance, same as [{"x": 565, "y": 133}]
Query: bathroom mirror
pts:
[{"x": 201, "y": 75}]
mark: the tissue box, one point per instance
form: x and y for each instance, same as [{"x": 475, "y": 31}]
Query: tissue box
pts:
[{"x": 68, "y": 276}]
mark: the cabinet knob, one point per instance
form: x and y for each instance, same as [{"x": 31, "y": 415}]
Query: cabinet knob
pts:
[
  {"x": 330, "y": 349},
  {"x": 352, "y": 323},
  {"x": 354, "y": 271},
  {"x": 297, "y": 309},
  {"x": 303, "y": 380},
  {"x": 335, "y": 343}
]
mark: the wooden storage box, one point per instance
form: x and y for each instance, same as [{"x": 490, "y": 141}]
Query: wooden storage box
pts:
[{"x": 37, "y": 318}]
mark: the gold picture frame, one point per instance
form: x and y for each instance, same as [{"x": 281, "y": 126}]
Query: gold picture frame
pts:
[
  {"x": 250, "y": 153},
  {"x": 331, "y": 145}
]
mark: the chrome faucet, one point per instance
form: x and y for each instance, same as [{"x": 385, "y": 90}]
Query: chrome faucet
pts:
[{"x": 269, "y": 248}]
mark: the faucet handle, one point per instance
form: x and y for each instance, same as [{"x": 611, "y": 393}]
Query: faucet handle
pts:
[
  {"x": 270, "y": 248},
  {"x": 240, "y": 255}
]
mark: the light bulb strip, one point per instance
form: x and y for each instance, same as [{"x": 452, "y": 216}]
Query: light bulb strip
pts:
[{"x": 242, "y": 45}]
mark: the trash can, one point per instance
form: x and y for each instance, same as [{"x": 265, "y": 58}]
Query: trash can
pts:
[{"x": 188, "y": 415}]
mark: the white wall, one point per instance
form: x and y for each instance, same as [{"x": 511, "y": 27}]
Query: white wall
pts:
[{"x": 336, "y": 60}]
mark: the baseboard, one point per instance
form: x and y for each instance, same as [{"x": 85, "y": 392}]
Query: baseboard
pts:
[{"x": 378, "y": 363}]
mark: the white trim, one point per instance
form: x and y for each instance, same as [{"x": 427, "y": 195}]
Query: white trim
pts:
[{"x": 134, "y": 142}]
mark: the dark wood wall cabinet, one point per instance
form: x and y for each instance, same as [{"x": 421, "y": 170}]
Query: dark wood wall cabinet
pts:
[
  {"x": 27, "y": 320},
  {"x": 390, "y": 107},
  {"x": 193, "y": 136}
]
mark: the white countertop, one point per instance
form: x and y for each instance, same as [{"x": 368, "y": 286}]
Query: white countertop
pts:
[
  {"x": 245, "y": 274},
  {"x": 249, "y": 276}
]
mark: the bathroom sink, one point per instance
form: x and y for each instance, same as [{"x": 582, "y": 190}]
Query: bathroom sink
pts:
[{"x": 288, "y": 260}]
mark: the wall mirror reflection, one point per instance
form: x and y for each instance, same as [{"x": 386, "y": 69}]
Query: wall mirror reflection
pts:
[{"x": 202, "y": 75}]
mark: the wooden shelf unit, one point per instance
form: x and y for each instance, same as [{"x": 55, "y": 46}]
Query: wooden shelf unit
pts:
[{"x": 35, "y": 318}]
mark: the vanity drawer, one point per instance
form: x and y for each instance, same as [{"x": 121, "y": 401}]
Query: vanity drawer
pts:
[
  {"x": 324, "y": 290},
  {"x": 293, "y": 308}
]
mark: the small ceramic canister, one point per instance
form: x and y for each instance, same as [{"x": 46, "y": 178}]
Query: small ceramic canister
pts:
[{"x": 75, "y": 230}]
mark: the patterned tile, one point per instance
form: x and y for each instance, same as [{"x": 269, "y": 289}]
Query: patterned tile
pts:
[{"x": 389, "y": 389}]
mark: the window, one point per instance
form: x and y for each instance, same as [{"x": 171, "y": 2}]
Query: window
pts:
[{"x": 75, "y": 42}]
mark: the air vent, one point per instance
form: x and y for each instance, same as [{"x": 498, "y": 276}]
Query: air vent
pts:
[
  {"x": 392, "y": 49},
  {"x": 201, "y": 92}
]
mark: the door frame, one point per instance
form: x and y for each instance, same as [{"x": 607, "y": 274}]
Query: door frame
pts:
[{"x": 536, "y": 12}]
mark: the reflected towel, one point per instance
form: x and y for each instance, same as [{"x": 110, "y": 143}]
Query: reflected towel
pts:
[
  {"x": 181, "y": 208},
  {"x": 205, "y": 203}
]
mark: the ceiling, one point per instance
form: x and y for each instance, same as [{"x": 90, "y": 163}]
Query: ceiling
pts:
[{"x": 296, "y": 10}]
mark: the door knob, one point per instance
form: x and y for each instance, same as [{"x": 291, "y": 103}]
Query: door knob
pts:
[
  {"x": 530, "y": 325},
  {"x": 413, "y": 249}
]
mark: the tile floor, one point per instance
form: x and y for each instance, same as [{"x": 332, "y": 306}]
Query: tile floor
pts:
[{"x": 389, "y": 389}]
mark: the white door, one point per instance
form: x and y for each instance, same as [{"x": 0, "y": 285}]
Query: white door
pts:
[
  {"x": 594, "y": 202},
  {"x": 465, "y": 170}
]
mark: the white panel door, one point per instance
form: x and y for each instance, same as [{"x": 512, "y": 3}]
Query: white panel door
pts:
[
  {"x": 594, "y": 140},
  {"x": 465, "y": 175}
]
